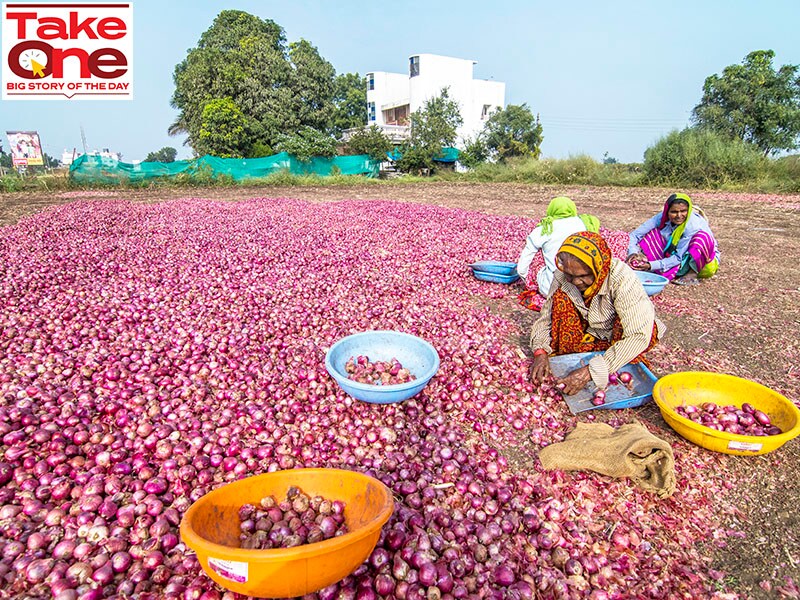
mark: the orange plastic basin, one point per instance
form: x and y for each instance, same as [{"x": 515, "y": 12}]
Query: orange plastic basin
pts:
[
  {"x": 696, "y": 387},
  {"x": 211, "y": 528}
]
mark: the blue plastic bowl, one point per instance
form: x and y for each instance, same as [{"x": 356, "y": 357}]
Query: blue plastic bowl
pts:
[
  {"x": 415, "y": 354},
  {"x": 652, "y": 282},
  {"x": 495, "y": 266},
  {"x": 495, "y": 277}
]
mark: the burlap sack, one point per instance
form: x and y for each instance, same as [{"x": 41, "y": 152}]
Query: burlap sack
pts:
[{"x": 628, "y": 451}]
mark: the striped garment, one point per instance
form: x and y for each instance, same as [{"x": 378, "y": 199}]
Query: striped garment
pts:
[
  {"x": 701, "y": 251},
  {"x": 621, "y": 295}
]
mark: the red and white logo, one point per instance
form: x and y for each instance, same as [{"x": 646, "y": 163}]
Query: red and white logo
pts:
[{"x": 69, "y": 51}]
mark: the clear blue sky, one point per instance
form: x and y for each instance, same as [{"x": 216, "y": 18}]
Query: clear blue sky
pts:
[{"x": 609, "y": 76}]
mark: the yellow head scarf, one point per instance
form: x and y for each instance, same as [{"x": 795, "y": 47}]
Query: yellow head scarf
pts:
[{"x": 593, "y": 251}]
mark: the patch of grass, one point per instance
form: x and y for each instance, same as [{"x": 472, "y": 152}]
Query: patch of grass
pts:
[
  {"x": 580, "y": 169},
  {"x": 774, "y": 176}
]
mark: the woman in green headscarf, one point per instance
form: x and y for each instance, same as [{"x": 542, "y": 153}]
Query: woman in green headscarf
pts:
[
  {"x": 677, "y": 243},
  {"x": 560, "y": 221}
]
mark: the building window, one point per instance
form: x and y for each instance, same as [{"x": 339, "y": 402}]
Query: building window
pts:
[
  {"x": 370, "y": 81},
  {"x": 370, "y": 111},
  {"x": 485, "y": 112},
  {"x": 413, "y": 67}
]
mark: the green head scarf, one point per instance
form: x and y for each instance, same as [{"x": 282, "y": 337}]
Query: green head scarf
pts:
[
  {"x": 676, "y": 235},
  {"x": 559, "y": 208},
  {"x": 591, "y": 222}
]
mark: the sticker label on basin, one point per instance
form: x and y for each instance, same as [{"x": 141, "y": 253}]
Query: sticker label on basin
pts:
[
  {"x": 229, "y": 569},
  {"x": 747, "y": 446}
]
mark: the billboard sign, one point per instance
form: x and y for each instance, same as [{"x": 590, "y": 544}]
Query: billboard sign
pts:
[
  {"x": 69, "y": 51},
  {"x": 26, "y": 148}
]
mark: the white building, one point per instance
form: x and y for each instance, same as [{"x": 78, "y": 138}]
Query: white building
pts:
[
  {"x": 392, "y": 97},
  {"x": 68, "y": 157}
]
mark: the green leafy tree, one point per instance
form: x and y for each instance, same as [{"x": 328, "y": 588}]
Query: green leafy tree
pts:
[
  {"x": 5, "y": 160},
  {"x": 350, "y": 102},
  {"x": 474, "y": 153},
  {"x": 371, "y": 141},
  {"x": 313, "y": 86},
  {"x": 513, "y": 131},
  {"x": 223, "y": 130},
  {"x": 306, "y": 144},
  {"x": 166, "y": 155},
  {"x": 609, "y": 160},
  {"x": 276, "y": 89},
  {"x": 754, "y": 103},
  {"x": 433, "y": 127},
  {"x": 49, "y": 161}
]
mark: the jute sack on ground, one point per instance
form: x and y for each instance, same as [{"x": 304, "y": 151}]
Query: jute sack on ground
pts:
[{"x": 628, "y": 451}]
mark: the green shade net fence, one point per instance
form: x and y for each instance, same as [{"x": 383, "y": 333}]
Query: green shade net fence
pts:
[{"x": 88, "y": 169}]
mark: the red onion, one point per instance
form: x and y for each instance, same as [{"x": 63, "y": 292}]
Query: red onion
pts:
[{"x": 730, "y": 419}]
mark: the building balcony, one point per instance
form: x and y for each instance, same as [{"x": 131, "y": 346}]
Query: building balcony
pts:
[{"x": 397, "y": 134}]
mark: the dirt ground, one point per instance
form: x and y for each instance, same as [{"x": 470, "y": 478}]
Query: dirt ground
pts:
[{"x": 744, "y": 322}]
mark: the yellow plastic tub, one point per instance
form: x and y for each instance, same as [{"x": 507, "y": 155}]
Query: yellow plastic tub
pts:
[
  {"x": 695, "y": 387},
  {"x": 211, "y": 528}
]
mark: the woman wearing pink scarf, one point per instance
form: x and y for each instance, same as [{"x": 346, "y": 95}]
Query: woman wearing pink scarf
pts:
[{"x": 677, "y": 243}]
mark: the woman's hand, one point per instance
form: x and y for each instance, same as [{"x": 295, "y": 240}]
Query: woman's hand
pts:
[
  {"x": 638, "y": 262},
  {"x": 540, "y": 368},
  {"x": 575, "y": 381}
]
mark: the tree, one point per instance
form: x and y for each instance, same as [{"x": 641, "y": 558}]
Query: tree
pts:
[
  {"x": 312, "y": 85},
  {"x": 223, "y": 130},
  {"x": 5, "y": 160},
  {"x": 609, "y": 160},
  {"x": 371, "y": 141},
  {"x": 433, "y": 127},
  {"x": 306, "y": 144},
  {"x": 754, "y": 103},
  {"x": 474, "y": 153},
  {"x": 513, "y": 131},
  {"x": 272, "y": 88},
  {"x": 349, "y": 101},
  {"x": 166, "y": 155}
]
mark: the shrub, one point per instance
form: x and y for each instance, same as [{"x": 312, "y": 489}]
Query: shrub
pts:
[
  {"x": 306, "y": 144},
  {"x": 474, "y": 153},
  {"x": 370, "y": 141},
  {"x": 701, "y": 158}
]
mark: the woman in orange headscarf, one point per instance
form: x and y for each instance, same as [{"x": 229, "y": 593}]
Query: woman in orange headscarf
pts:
[{"x": 596, "y": 303}]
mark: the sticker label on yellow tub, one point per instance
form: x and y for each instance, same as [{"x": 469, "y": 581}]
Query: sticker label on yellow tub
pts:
[
  {"x": 229, "y": 569},
  {"x": 744, "y": 446}
]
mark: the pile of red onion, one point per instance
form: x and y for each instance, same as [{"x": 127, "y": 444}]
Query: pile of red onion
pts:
[
  {"x": 380, "y": 372},
  {"x": 746, "y": 420},
  {"x": 150, "y": 353},
  {"x": 294, "y": 521}
]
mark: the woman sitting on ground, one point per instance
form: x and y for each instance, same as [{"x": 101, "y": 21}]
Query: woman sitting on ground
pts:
[
  {"x": 677, "y": 243},
  {"x": 596, "y": 303},
  {"x": 561, "y": 220}
]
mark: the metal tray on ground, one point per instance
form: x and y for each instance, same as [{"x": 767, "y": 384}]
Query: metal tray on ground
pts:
[{"x": 617, "y": 396}]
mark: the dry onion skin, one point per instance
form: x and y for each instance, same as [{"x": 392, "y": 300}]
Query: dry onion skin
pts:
[{"x": 150, "y": 353}]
